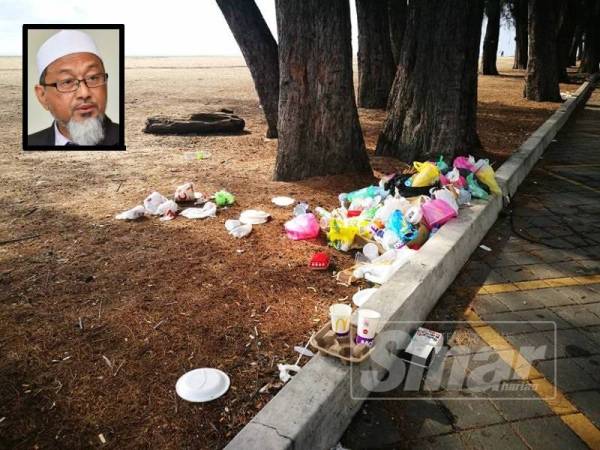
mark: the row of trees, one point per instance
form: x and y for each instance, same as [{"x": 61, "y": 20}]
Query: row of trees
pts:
[{"x": 418, "y": 59}]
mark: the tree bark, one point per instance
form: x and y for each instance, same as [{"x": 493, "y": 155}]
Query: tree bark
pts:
[
  {"x": 591, "y": 50},
  {"x": 575, "y": 43},
  {"x": 518, "y": 10},
  {"x": 376, "y": 68},
  {"x": 397, "y": 19},
  {"x": 541, "y": 80},
  {"x": 490, "y": 41},
  {"x": 566, "y": 32},
  {"x": 319, "y": 131},
  {"x": 260, "y": 52},
  {"x": 433, "y": 108}
]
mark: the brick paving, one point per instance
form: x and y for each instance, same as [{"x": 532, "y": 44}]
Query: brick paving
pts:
[{"x": 551, "y": 230}]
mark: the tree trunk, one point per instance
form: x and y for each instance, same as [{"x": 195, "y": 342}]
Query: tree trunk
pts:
[
  {"x": 319, "y": 131},
  {"x": 397, "y": 19},
  {"x": 519, "y": 13},
  {"x": 376, "y": 68},
  {"x": 433, "y": 108},
  {"x": 490, "y": 41},
  {"x": 575, "y": 43},
  {"x": 591, "y": 50},
  {"x": 260, "y": 52},
  {"x": 565, "y": 37},
  {"x": 541, "y": 80}
]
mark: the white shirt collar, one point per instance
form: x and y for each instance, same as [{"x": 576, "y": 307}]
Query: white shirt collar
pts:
[{"x": 59, "y": 139}]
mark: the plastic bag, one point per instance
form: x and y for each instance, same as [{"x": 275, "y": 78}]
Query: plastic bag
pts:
[
  {"x": 208, "y": 210},
  {"x": 341, "y": 235},
  {"x": 476, "y": 190},
  {"x": 421, "y": 237},
  {"x": 404, "y": 230},
  {"x": 462, "y": 162},
  {"x": 437, "y": 212},
  {"x": 153, "y": 201},
  {"x": 486, "y": 175},
  {"x": 456, "y": 179},
  {"x": 168, "y": 210},
  {"x": 304, "y": 226},
  {"x": 390, "y": 205},
  {"x": 441, "y": 164},
  {"x": 132, "y": 214},
  {"x": 184, "y": 193},
  {"x": 447, "y": 196},
  {"x": 428, "y": 174},
  {"x": 224, "y": 198}
]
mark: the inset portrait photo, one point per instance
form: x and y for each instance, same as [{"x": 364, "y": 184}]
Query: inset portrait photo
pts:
[{"x": 73, "y": 87}]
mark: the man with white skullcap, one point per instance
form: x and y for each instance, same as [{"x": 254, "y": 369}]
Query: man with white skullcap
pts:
[{"x": 72, "y": 87}]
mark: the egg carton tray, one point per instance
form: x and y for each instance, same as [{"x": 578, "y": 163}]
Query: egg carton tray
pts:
[{"x": 328, "y": 343}]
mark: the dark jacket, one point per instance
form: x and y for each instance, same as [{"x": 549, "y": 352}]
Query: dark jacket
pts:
[{"x": 46, "y": 137}]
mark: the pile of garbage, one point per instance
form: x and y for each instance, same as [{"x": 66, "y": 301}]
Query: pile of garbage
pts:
[
  {"x": 397, "y": 217},
  {"x": 157, "y": 204}
]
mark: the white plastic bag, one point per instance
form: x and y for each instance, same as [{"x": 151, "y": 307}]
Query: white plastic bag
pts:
[
  {"x": 168, "y": 210},
  {"x": 208, "y": 210},
  {"x": 132, "y": 214},
  {"x": 153, "y": 201}
]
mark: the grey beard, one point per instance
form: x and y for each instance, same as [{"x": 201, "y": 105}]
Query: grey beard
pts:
[{"x": 86, "y": 132}]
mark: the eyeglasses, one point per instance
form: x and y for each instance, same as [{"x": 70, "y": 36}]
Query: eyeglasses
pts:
[{"x": 72, "y": 84}]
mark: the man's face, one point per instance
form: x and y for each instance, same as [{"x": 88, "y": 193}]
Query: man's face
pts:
[{"x": 78, "y": 105}]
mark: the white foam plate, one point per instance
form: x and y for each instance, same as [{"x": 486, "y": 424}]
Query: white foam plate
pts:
[
  {"x": 253, "y": 217},
  {"x": 202, "y": 385},
  {"x": 362, "y": 296},
  {"x": 283, "y": 201}
]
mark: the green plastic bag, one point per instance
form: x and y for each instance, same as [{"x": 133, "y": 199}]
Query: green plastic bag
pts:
[
  {"x": 441, "y": 164},
  {"x": 224, "y": 198},
  {"x": 476, "y": 190}
]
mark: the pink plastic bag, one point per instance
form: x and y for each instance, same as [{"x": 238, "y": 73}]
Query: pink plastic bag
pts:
[
  {"x": 437, "y": 212},
  {"x": 304, "y": 226},
  {"x": 462, "y": 162}
]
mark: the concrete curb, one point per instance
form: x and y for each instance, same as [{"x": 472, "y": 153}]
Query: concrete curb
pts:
[{"x": 313, "y": 410}]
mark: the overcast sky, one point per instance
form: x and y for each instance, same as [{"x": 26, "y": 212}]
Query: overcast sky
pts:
[{"x": 152, "y": 28}]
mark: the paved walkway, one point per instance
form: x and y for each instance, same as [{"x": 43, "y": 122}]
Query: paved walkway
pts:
[{"x": 533, "y": 309}]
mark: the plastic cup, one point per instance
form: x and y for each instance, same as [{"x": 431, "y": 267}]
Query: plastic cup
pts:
[
  {"x": 340, "y": 318},
  {"x": 366, "y": 326}
]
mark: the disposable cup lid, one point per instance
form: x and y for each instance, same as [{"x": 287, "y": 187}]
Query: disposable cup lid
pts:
[
  {"x": 202, "y": 385},
  {"x": 283, "y": 201}
]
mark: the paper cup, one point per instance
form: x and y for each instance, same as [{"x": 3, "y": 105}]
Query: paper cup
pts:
[
  {"x": 185, "y": 193},
  {"x": 366, "y": 326},
  {"x": 340, "y": 318}
]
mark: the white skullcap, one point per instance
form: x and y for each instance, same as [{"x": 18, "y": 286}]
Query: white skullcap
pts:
[{"x": 64, "y": 43}]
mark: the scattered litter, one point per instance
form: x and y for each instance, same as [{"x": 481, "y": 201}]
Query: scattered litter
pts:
[
  {"x": 485, "y": 247},
  {"x": 300, "y": 209},
  {"x": 102, "y": 438},
  {"x": 283, "y": 201},
  {"x": 270, "y": 385},
  {"x": 202, "y": 385},
  {"x": 168, "y": 210},
  {"x": 360, "y": 298},
  {"x": 303, "y": 351},
  {"x": 224, "y": 198},
  {"x": 184, "y": 193},
  {"x": 304, "y": 226},
  {"x": 286, "y": 371},
  {"x": 198, "y": 155},
  {"x": 208, "y": 210},
  {"x": 132, "y": 214},
  {"x": 237, "y": 229},
  {"x": 254, "y": 216},
  {"x": 319, "y": 261},
  {"x": 422, "y": 347},
  {"x": 153, "y": 201}
]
